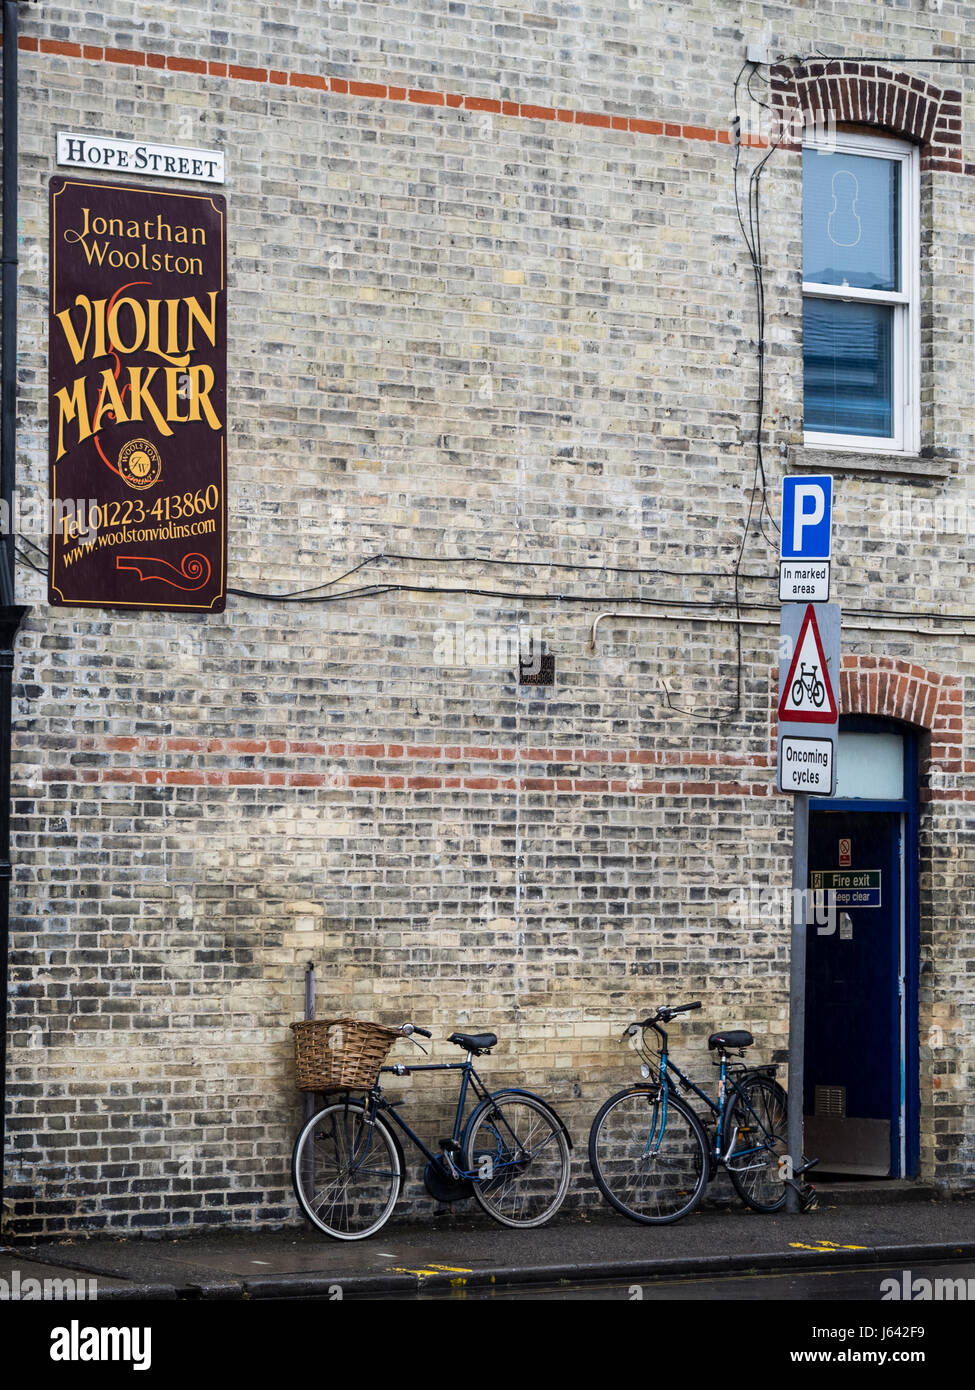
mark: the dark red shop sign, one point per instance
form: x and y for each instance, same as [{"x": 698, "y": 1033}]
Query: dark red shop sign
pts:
[{"x": 138, "y": 397}]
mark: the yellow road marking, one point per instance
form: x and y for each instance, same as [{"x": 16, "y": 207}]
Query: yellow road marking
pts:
[{"x": 824, "y": 1246}]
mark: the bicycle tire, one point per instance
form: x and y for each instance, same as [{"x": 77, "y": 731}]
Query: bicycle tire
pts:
[
  {"x": 798, "y": 692},
  {"x": 348, "y": 1199},
  {"x": 753, "y": 1165},
  {"x": 521, "y": 1144},
  {"x": 818, "y": 690},
  {"x": 651, "y": 1164}
]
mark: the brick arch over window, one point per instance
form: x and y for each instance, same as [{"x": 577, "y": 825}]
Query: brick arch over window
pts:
[
  {"x": 926, "y": 699},
  {"x": 867, "y": 94}
]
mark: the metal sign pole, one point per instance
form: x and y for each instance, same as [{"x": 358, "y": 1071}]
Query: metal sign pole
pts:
[
  {"x": 797, "y": 987},
  {"x": 808, "y": 717}
]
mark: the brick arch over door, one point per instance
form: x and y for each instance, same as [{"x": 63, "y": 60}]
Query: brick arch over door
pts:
[
  {"x": 926, "y": 699},
  {"x": 890, "y": 689},
  {"x": 899, "y": 103}
]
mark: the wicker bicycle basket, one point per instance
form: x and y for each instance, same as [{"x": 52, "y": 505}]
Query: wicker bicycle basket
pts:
[{"x": 341, "y": 1053}]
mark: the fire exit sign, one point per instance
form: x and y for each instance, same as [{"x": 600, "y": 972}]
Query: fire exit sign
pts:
[{"x": 853, "y": 887}]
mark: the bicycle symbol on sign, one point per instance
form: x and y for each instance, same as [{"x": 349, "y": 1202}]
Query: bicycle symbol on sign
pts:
[{"x": 808, "y": 683}]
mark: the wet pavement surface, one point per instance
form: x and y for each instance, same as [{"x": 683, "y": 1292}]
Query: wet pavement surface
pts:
[{"x": 454, "y": 1252}]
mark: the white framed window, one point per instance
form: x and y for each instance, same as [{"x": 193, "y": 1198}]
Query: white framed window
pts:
[{"x": 861, "y": 294}]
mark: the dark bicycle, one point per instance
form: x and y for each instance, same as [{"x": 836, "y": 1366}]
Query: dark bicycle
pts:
[
  {"x": 511, "y": 1154},
  {"x": 649, "y": 1152}
]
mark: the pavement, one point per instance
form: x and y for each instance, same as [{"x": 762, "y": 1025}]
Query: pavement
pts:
[{"x": 882, "y": 1224}]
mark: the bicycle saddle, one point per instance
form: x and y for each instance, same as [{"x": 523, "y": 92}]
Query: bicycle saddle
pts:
[
  {"x": 474, "y": 1042},
  {"x": 728, "y": 1041}
]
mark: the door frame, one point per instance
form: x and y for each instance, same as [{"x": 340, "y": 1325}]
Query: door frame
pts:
[{"x": 905, "y": 1151}]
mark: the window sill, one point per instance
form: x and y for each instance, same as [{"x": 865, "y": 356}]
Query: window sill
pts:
[{"x": 833, "y": 460}]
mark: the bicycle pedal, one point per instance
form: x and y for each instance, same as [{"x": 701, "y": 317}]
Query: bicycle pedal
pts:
[{"x": 808, "y": 1197}]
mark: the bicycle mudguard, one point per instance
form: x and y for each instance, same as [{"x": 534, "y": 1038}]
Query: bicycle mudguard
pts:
[{"x": 514, "y": 1091}]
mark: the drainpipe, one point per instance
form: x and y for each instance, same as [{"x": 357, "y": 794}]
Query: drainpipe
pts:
[
  {"x": 310, "y": 1097},
  {"x": 10, "y": 613}
]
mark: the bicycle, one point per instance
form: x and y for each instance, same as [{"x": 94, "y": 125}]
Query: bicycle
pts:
[
  {"x": 512, "y": 1155},
  {"x": 648, "y": 1149},
  {"x": 808, "y": 683}
]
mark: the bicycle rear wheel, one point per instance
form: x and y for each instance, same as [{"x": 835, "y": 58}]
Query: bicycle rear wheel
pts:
[
  {"x": 346, "y": 1173},
  {"x": 759, "y": 1110},
  {"x": 649, "y": 1155},
  {"x": 518, "y": 1149}
]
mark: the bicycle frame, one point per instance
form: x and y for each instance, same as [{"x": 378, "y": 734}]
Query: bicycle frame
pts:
[
  {"x": 469, "y": 1081},
  {"x": 720, "y": 1109}
]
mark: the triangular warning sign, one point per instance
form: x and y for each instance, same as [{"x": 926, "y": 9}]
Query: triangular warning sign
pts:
[{"x": 807, "y": 696}]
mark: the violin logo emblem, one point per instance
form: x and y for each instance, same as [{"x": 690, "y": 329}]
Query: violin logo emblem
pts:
[{"x": 139, "y": 464}]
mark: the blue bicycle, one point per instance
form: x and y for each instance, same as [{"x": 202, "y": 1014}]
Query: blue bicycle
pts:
[
  {"x": 511, "y": 1155},
  {"x": 650, "y": 1154}
]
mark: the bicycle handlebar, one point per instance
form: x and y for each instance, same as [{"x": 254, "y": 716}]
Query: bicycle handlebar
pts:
[
  {"x": 666, "y": 1013},
  {"x": 410, "y": 1028}
]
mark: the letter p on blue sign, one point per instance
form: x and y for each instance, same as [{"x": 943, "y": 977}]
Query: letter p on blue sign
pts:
[{"x": 807, "y": 513}]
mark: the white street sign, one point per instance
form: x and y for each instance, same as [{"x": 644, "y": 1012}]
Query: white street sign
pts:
[
  {"x": 113, "y": 156},
  {"x": 803, "y": 581},
  {"x": 807, "y": 765}
]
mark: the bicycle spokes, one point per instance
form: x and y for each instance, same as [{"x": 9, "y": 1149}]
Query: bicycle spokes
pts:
[
  {"x": 519, "y": 1159},
  {"x": 346, "y": 1171},
  {"x": 757, "y": 1114},
  {"x": 648, "y": 1155}
]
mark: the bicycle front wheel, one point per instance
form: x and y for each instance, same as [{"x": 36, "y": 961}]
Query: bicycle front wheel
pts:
[
  {"x": 518, "y": 1152},
  {"x": 759, "y": 1111},
  {"x": 346, "y": 1172},
  {"x": 649, "y": 1155}
]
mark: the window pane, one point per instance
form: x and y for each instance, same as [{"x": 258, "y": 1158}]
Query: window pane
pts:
[
  {"x": 847, "y": 365},
  {"x": 850, "y": 220},
  {"x": 870, "y": 765}
]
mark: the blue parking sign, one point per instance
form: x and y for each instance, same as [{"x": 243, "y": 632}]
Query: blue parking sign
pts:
[{"x": 807, "y": 509}]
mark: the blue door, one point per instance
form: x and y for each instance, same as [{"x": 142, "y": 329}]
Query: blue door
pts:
[
  {"x": 852, "y": 1081},
  {"x": 860, "y": 1083}
]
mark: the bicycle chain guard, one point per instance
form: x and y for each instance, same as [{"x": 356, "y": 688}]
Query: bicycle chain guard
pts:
[{"x": 442, "y": 1187}]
